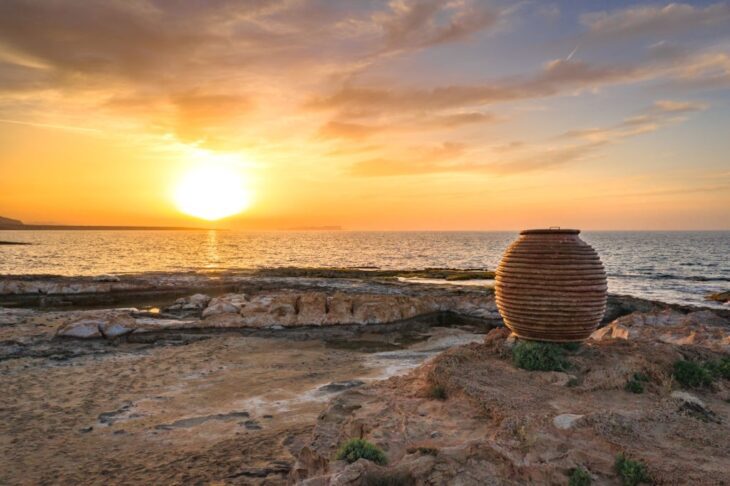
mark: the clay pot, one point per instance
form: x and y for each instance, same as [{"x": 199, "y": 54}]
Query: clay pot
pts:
[{"x": 551, "y": 286}]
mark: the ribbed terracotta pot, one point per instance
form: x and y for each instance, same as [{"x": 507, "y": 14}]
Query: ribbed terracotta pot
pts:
[{"x": 551, "y": 286}]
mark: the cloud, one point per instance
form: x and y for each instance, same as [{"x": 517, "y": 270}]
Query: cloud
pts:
[
  {"x": 555, "y": 77},
  {"x": 201, "y": 115},
  {"x": 573, "y": 146},
  {"x": 418, "y": 24},
  {"x": 16, "y": 77},
  {"x": 427, "y": 161},
  {"x": 654, "y": 20},
  {"x": 357, "y": 131},
  {"x": 339, "y": 129},
  {"x": 660, "y": 114}
]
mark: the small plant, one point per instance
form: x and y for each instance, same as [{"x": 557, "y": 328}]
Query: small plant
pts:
[
  {"x": 634, "y": 386},
  {"x": 539, "y": 356},
  {"x": 691, "y": 375},
  {"x": 636, "y": 383},
  {"x": 355, "y": 449},
  {"x": 573, "y": 382},
  {"x": 571, "y": 346},
  {"x": 437, "y": 392},
  {"x": 631, "y": 472},
  {"x": 377, "y": 478},
  {"x": 579, "y": 477},
  {"x": 719, "y": 368}
]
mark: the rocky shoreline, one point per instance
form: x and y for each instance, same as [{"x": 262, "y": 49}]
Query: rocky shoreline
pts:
[{"x": 224, "y": 376}]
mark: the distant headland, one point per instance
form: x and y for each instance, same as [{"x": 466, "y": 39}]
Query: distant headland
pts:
[{"x": 16, "y": 224}]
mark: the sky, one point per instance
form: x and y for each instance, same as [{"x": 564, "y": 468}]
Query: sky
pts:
[{"x": 369, "y": 114}]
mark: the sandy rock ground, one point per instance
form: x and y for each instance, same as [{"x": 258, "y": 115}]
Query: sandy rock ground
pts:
[
  {"x": 247, "y": 380},
  {"x": 178, "y": 407},
  {"x": 504, "y": 425}
]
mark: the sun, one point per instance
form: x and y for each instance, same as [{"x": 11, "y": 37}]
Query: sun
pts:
[{"x": 211, "y": 192}]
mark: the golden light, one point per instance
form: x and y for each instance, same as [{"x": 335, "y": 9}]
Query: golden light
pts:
[{"x": 212, "y": 192}]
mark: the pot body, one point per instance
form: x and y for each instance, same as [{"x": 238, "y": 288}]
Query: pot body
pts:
[{"x": 551, "y": 286}]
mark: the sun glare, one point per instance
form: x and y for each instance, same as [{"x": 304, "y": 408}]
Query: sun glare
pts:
[{"x": 212, "y": 192}]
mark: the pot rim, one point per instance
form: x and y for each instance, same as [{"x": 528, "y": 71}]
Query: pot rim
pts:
[{"x": 550, "y": 231}]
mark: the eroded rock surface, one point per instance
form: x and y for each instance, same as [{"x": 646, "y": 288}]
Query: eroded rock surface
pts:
[
  {"x": 704, "y": 328},
  {"x": 283, "y": 308},
  {"x": 504, "y": 425}
]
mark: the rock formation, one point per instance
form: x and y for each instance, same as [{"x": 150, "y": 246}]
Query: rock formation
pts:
[{"x": 503, "y": 425}]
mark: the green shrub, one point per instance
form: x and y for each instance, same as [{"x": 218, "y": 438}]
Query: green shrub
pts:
[
  {"x": 571, "y": 346},
  {"x": 437, "y": 392},
  {"x": 634, "y": 386},
  {"x": 579, "y": 477},
  {"x": 631, "y": 472},
  {"x": 719, "y": 368},
  {"x": 691, "y": 375},
  {"x": 355, "y": 449},
  {"x": 535, "y": 355},
  {"x": 378, "y": 478},
  {"x": 636, "y": 383}
]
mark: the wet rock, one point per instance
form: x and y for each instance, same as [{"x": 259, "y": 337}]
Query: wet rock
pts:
[
  {"x": 339, "y": 386},
  {"x": 252, "y": 425},
  {"x": 195, "y": 421},
  {"x": 109, "y": 418}
]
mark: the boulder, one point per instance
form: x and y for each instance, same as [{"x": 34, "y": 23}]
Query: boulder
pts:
[
  {"x": 566, "y": 420},
  {"x": 194, "y": 303},
  {"x": 85, "y": 328},
  {"x": 219, "y": 306},
  {"x": 118, "y": 325},
  {"x": 109, "y": 324}
]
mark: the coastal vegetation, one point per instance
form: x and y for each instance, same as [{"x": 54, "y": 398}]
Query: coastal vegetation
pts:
[
  {"x": 437, "y": 392},
  {"x": 691, "y": 374},
  {"x": 539, "y": 356},
  {"x": 636, "y": 383},
  {"x": 355, "y": 449},
  {"x": 579, "y": 477},
  {"x": 387, "y": 478},
  {"x": 630, "y": 471}
]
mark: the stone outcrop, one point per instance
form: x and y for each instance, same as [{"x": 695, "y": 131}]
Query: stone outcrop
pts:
[
  {"x": 723, "y": 297},
  {"x": 108, "y": 324},
  {"x": 502, "y": 425},
  {"x": 704, "y": 328},
  {"x": 281, "y": 309}
]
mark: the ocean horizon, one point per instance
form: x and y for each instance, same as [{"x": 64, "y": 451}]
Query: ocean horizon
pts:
[{"x": 680, "y": 267}]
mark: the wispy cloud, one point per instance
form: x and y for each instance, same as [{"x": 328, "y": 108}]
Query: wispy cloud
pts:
[
  {"x": 419, "y": 24},
  {"x": 656, "y": 20},
  {"x": 571, "y": 147}
]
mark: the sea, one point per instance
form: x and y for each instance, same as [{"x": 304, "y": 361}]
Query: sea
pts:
[{"x": 680, "y": 267}]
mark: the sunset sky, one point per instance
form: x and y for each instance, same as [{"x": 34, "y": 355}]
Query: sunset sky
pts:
[{"x": 369, "y": 114}]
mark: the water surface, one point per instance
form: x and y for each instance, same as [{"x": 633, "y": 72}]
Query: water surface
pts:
[{"x": 678, "y": 267}]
